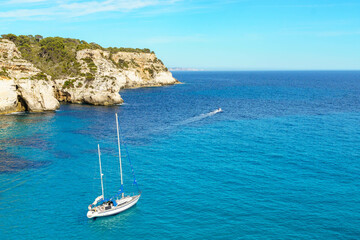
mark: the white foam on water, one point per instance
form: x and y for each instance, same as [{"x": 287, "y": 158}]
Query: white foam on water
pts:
[
  {"x": 197, "y": 118},
  {"x": 15, "y": 113}
]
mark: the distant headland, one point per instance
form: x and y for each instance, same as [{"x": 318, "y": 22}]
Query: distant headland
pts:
[{"x": 37, "y": 73}]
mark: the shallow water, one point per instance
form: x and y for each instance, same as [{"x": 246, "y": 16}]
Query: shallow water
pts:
[{"x": 281, "y": 161}]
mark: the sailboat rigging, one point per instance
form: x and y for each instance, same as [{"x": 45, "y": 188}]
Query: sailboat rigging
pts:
[{"x": 102, "y": 207}]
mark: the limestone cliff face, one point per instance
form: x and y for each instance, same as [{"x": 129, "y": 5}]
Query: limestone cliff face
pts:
[
  {"x": 8, "y": 96},
  {"x": 143, "y": 70},
  {"x": 99, "y": 83},
  {"x": 20, "y": 88},
  {"x": 102, "y": 75}
]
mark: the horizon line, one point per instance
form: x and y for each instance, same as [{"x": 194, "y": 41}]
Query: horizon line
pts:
[{"x": 258, "y": 70}]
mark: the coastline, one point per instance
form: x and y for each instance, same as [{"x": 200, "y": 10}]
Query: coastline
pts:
[{"x": 25, "y": 86}]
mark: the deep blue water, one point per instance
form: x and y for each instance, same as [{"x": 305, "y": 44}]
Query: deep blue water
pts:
[{"x": 281, "y": 162}]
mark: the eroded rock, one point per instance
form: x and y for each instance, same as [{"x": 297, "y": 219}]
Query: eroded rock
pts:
[{"x": 20, "y": 89}]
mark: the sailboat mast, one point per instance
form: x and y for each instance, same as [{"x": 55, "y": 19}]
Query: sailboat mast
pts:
[
  {"x": 117, "y": 128},
  {"x": 101, "y": 174}
]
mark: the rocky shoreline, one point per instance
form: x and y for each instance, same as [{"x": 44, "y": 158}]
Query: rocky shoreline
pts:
[{"x": 24, "y": 87}]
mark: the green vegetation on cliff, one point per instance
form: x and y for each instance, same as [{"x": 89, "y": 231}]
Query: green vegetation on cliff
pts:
[
  {"x": 69, "y": 83},
  {"x": 56, "y": 56},
  {"x": 91, "y": 65},
  {"x": 3, "y": 72},
  {"x": 39, "y": 76}
]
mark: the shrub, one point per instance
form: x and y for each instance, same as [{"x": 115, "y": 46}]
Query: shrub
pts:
[
  {"x": 3, "y": 72},
  {"x": 39, "y": 76},
  {"x": 91, "y": 65},
  {"x": 10, "y": 36},
  {"x": 158, "y": 61},
  {"x": 150, "y": 70},
  {"x": 110, "y": 77},
  {"x": 84, "y": 45},
  {"x": 38, "y": 38},
  {"x": 123, "y": 64},
  {"x": 89, "y": 77},
  {"x": 69, "y": 83},
  {"x": 121, "y": 49},
  {"x": 134, "y": 63}
]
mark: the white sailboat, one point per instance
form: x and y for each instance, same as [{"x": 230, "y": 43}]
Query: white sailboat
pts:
[{"x": 102, "y": 207}]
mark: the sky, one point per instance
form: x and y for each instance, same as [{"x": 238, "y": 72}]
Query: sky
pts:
[{"x": 210, "y": 35}]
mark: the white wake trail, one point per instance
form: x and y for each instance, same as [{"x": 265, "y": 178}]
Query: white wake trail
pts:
[
  {"x": 177, "y": 124},
  {"x": 197, "y": 118}
]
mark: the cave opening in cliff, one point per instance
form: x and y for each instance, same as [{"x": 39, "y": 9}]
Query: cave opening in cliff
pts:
[{"x": 22, "y": 106}]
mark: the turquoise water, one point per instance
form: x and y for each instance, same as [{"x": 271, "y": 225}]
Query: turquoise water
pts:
[{"x": 281, "y": 161}]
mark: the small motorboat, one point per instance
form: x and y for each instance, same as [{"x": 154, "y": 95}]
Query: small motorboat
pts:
[{"x": 218, "y": 110}]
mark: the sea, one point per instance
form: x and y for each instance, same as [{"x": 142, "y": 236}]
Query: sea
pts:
[{"x": 282, "y": 161}]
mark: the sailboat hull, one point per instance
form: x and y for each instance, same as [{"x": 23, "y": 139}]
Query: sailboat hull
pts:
[{"x": 123, "y": 204}]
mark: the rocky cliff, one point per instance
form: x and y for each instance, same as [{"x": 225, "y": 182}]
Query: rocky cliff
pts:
[
  {"x": 96, "y": 75},
  {"x": 23, "y": 86},
  {"x": 103, "y": 75}
]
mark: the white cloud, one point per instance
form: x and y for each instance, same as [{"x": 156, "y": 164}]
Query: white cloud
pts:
[
  {"x": 24, "y": 1},
  {"x": 76, "y": 9}
]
